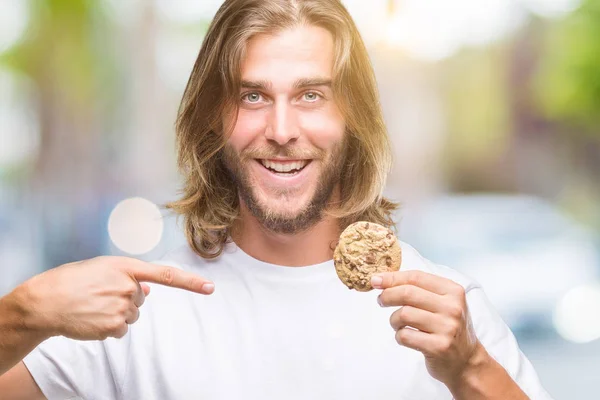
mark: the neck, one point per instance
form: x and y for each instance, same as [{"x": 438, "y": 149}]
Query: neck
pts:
[{"x": 312, "y": 246}]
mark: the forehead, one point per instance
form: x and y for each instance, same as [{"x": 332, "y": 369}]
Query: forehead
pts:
[{"x": 300, "y": 52}]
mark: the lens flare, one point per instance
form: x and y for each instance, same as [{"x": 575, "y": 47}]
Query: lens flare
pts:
[
  {"x": 577, "y": 314},
  {"x": 135, "y": 226}
]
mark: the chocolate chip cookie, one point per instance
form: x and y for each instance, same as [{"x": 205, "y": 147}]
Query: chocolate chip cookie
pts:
[{"x": 365, "y": 248}]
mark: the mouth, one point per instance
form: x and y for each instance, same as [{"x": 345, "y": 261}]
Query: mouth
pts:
[{"x": 285, "y": 168}]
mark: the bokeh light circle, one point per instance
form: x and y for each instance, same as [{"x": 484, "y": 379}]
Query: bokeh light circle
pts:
[
  {"x": 577, "y": 314},
  {"x": 135, "y": 226}
]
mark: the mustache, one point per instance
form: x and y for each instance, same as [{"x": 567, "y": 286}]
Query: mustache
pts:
[{"x": 276, "y": 151}]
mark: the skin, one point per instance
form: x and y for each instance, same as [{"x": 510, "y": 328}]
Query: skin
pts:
[
  {"x": 434, "y": 319},
  {"x": 287, "y": 112},
  {"x": 279, "y": 119},
  {"x": 89, "y": 300}
]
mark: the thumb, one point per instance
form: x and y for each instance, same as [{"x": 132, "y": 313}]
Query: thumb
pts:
[{"x": 145, "y": 289}]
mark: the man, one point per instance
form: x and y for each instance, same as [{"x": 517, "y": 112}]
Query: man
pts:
[{"x": 282, "y": 144}]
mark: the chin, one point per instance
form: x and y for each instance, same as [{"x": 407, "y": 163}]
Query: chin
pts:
[
  {"x": 291, "y": 197},
  {"x": 288, "y": 212}
]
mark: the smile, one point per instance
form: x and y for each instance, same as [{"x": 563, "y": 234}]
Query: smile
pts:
[{"x": 284, "y": 167}]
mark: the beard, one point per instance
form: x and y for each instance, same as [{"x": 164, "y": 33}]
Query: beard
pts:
[{"x": 280, "y": 222}]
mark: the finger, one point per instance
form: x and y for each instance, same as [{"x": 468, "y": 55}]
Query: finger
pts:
[
  {"x": 422, "y": 320},
  {"x": 409, "y": 295},
  {"x": 139, "y": 297},
  {"x": 170, "y": 276},
  {"x": 73, "y": 263},
  {"x": 417, "y": 340},
  {"x": 145, "y": 289},
  {"x": 424, "y": 280},
  {"x": 121, "y": 331},
  {"x": 133, "y": 314}
]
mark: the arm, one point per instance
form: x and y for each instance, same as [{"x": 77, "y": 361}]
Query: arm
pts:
[
  {"x": 18, "y": 384},
  {"x": 484, "y": 378},
  {"x": 87, "y": 301},
  {"x": 16, "y": 341},
  {"x": 434, "y": 319},
  {"x": 18, "y": 334}
]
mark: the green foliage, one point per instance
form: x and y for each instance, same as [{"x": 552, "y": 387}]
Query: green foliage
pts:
[
  {"x": 478, "y": 110},
  {"x": 568, "y": 83},
  {"x": 60, "y": 47}
]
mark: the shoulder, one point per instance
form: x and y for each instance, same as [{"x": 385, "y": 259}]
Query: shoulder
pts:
[{"x": 413, "y": 260}]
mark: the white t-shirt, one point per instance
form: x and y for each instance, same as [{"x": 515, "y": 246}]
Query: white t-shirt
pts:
[{"x": 267, "y": 332}]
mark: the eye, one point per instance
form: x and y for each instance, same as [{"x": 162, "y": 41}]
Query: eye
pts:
[
  {"x": 252, "y": 97},
  {"x": 311, "y": 96}
]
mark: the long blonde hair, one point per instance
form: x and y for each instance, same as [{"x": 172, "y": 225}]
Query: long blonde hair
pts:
[{"x": 210, "y": 202}]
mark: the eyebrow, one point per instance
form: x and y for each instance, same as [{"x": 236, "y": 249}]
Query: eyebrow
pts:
[
  {"x": 298, "y": 84},
  {"x": 260, "y": 85},
  {"x": 306, "y": 82}
]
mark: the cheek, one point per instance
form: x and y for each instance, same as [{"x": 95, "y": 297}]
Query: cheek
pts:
[
  {"x": 248, "y": 127},
  {"x": 323, "y": 129}
]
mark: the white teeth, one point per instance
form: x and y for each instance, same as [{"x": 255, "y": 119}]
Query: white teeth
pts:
[{"x": 284, "y": 166}]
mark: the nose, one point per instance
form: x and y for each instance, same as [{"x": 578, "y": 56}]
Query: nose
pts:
[{"x": 282, "y": 127}]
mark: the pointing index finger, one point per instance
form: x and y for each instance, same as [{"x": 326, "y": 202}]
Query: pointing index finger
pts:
[{"x": 171, "y": 276}]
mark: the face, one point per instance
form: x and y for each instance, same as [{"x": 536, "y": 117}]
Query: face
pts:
[{"x": 287, "y": 146}]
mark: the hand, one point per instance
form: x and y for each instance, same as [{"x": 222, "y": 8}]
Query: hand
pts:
[
  {"x": 433, "y": 319},
  {"x": 100, "y": 297}
]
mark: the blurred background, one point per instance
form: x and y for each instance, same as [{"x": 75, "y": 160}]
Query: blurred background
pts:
[{"x": 493, "y": 108}]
